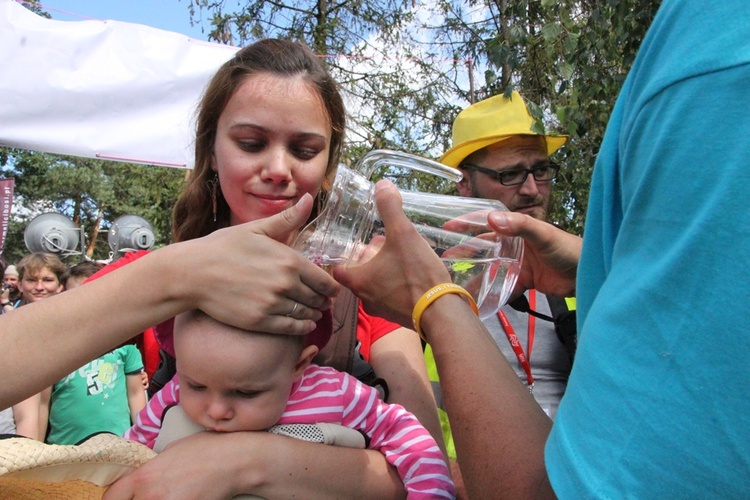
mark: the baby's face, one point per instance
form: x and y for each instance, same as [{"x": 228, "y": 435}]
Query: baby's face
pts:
[{"x": 232, "y": 380}]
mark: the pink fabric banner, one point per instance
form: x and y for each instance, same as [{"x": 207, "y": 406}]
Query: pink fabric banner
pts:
[{"x": 6, "y": 204}]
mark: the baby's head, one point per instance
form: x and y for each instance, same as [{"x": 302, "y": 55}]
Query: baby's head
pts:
[{"x": 233, "y": 379}]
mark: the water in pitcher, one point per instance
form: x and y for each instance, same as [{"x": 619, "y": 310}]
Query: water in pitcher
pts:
[{"x": 488, "y": 280}]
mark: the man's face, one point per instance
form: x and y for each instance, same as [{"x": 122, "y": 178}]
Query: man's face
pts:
[
  {"x": 531, "y": 197},
  {"x": 11, "y": 281}
]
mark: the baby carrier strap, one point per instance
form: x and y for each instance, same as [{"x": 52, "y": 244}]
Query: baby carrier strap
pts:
[
  {"x": 342, "y": 351},
  {"x": 339, "y": 352}
]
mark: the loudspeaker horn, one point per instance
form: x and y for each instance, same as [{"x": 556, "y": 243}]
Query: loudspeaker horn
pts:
[
  {"x": 53, "y": 233},
  {"x": 130, "y": 233}
]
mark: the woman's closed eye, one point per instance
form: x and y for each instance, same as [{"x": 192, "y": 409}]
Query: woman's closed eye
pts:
[
  {"x": 304, "y": 153},
  {"x": 251, "y": 146},
  {"x": 307, "y": 146}
]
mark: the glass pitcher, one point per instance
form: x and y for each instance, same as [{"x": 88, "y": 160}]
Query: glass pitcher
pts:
[{"x": 484, "y": 263}]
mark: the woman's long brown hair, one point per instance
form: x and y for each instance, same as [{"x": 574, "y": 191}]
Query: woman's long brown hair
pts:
[{"x": 193, "y": 213}]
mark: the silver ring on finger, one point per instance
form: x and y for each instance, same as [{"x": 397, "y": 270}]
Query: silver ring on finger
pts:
[{"x": 294, "y": 309}]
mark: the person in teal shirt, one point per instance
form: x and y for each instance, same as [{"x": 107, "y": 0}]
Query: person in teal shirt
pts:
[
  {"x": 657, "y": 401},
  {"x": 101, "y": 396},
  {"x": 656, "y": 405},
  {"x": 104, "y": 395}
]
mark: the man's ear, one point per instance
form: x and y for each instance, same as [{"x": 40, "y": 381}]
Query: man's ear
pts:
[
  {"x": 305, "y": 358},
  {"x": 464, "y": 185}
]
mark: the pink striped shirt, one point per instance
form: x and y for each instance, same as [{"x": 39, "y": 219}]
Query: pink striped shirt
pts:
[{"x": 326, "y": 395}]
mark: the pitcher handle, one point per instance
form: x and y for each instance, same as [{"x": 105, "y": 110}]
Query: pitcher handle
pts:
[{"x": 379, "y": 157}]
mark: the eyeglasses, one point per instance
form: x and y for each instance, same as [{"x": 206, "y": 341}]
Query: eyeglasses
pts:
[{"x": 517, "y": 176}]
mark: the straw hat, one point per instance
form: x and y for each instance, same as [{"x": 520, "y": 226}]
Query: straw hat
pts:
[
  {"x": 30, "y": 469},
  {"x": 490, "y": 121}
]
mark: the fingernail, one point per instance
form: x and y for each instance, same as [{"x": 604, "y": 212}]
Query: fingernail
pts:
[
  {"x": 302, "y": 198},
  {"x": 500, "y": 219},
  {"x": 382, "y": 184}
]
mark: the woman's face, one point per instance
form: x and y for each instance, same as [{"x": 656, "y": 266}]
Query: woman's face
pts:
[
  {"x": 39, "y": 285},
  {"x": 272, "y": 146}
]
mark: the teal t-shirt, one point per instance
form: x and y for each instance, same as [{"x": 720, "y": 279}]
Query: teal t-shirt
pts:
[
  {"x": 93, "y": 398},
  {"x": 657, "y": 403}
]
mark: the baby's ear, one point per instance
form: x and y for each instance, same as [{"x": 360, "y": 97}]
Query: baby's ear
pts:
[{"x": 305, "y": 358}]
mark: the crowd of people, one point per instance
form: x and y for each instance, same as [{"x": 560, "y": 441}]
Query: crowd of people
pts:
[
  {"x": 643, "y": 398},
  {"x": 102, "y": 396}
]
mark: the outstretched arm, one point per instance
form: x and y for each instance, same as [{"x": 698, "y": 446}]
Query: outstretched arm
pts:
[
  {"x": 499, "y": 430},
  {"x": 157, "y": 287},
  {"x": 259, "y": 463},
  {"x": 398, "y": 358}
]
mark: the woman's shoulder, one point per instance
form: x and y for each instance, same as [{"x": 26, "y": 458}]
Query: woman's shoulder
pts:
[{"x": 117, "y": 264}]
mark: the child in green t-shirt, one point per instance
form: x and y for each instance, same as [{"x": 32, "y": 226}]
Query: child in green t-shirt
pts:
[{"x": 101, "y": 396}]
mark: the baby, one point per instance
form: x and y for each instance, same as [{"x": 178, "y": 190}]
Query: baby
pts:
[{"x": 234, "y": 380}]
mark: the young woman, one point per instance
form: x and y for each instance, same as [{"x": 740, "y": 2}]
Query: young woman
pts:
[{"x": 269, "y": 131}]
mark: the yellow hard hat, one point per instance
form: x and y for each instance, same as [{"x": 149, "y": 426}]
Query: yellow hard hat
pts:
[{"x": 490, "y": 121}]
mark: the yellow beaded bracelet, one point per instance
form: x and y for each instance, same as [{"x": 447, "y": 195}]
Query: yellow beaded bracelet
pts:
[{"x": 431, "y": 296}]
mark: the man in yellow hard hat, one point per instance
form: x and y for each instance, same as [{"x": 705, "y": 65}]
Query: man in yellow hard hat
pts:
[{"x": 502, "y": 157}]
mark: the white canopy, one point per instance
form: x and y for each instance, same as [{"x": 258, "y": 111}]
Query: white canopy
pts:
[{"x": 101, "y": 89}]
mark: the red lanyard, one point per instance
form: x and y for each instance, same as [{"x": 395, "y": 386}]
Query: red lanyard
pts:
[{"x": 523, "y": 359}]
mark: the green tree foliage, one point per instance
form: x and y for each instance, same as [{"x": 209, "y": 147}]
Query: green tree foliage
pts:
[
  {"x": 93, "y": 193},
  {"x": 569, "y": 58},
  {"x": 406, "y": 68},
  {"x": 33, "y": 6},
  {"x": 393, "y": 90},
  {"x": 415, "y": 66}
]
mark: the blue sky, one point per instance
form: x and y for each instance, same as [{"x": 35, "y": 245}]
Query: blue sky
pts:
[{"x": 171, "y": 15}]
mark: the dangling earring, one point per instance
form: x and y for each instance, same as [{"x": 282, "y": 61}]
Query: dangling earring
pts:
[{"x": 214, "y": 184}]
